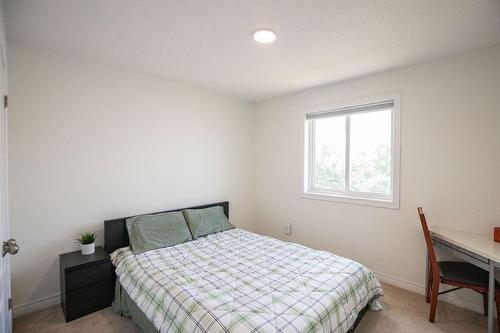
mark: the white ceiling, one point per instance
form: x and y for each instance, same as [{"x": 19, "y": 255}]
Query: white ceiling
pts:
[{"x": 209, "y": 44}]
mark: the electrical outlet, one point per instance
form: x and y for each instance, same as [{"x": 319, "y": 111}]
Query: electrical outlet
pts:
[{"x": 287, "y": 228}]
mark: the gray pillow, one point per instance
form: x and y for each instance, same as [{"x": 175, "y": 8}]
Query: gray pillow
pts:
[
  {"x": 206, "y": 221},
  {"x": 149, "y": 232}
]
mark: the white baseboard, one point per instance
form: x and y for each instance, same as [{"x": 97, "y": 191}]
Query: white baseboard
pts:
[
  {"x": 54, "y": 299},
  {"x": 420, "y": 289},
  {"x": 37, "y": 304}
]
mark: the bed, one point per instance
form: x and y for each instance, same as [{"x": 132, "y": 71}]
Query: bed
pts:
[{"x": 238, "y": 281}]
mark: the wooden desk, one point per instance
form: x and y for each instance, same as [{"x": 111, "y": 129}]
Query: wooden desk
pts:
[{"x": 479, "y": 250}]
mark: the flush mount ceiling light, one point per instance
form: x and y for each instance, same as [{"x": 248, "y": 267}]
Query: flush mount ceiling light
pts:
[{"x": 264, "y": 36}]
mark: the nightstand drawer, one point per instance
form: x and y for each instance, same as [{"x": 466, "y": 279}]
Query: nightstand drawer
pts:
[
  {"x": 84, "y": 277},
  {"x": 87, "y": 300}
]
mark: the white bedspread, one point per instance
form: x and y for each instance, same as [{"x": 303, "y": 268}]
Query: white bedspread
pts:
[{"x": 238, "y": 281}]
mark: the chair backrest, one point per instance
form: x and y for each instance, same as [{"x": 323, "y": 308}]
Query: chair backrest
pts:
[{"x": 428, "y": 241}]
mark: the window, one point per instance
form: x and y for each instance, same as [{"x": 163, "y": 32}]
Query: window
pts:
[{"x": 352, "y": 153}]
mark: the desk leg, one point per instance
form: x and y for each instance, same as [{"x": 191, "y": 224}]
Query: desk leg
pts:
[{"x": 491, "y": 297}]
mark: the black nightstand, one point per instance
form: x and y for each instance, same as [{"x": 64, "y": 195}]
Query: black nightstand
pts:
[{"x": 86, "y": 282}]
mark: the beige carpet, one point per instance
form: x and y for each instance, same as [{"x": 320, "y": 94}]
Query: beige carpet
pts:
[{"x": 404, "y": 311}]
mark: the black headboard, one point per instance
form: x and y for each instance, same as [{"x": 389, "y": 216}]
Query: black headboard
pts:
[{"x": 115, "y": 230}]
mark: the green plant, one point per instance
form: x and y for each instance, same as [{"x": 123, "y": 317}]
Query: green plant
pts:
[{"x": 86, "y": 238}]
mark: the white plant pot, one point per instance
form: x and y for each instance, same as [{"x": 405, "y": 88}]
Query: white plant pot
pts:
[{"x": 88, "y": 249}]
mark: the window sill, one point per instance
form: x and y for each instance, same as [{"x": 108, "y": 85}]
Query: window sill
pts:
[{"x": 351, "y": 200}]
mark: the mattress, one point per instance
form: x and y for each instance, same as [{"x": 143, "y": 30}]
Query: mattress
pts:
[{"x": 238, "y": 281}]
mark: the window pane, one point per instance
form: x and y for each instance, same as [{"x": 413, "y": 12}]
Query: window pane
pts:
[
  {"x": 371, "y": 152},
  {"x": 329, "y": 153}
]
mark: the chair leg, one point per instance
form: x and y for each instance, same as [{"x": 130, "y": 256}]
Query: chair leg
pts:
[
  {"x": 485, "y": 304},
  {"x": 428, "y": 291},
  {"x": 434, "y": 299}
]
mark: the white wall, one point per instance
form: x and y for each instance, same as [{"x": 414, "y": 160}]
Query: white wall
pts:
[
  {"x": 89, "y": 142},
  {"x": 3, "y": 41},
  {"x": 450, "y": 164}
]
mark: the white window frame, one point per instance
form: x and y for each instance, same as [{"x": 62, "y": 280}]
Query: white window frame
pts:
[{"x": 350, "y": 197}]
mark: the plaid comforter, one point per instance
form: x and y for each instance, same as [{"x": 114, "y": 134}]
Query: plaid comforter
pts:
[{"x": 238, "y": 281}]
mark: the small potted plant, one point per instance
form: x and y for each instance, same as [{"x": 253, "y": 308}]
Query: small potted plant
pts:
[{"x": 87, "y": 240}]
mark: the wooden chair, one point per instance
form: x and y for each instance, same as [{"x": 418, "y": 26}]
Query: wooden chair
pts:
[{"x": 457, "y": 274}]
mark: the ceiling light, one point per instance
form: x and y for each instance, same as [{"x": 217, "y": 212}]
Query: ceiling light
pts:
[{"x": 264, "y": 36}]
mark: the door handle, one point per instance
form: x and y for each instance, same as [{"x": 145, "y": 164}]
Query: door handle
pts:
[{"x": 10, "y": 247}]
